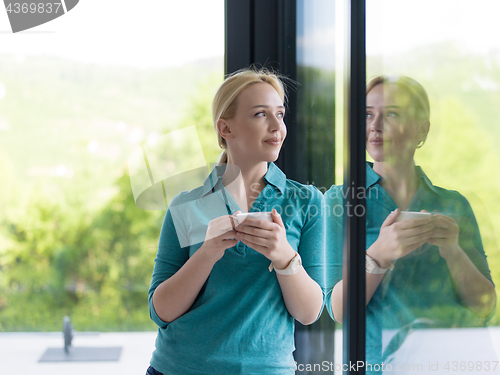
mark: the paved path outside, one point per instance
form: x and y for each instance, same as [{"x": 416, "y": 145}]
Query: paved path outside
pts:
[{"x": 20, "y": 353}]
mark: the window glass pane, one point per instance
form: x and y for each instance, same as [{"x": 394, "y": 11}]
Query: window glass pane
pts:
[
  {"x": 78, "y": 96},
  {"x": 434, "y": 311},
  {"x": 315, "y": 110}
]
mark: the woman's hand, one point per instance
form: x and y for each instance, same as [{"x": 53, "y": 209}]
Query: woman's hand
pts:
[
  {"x": 302, "y": 295},
  {"x": 267, "y": 238},
  {"x": 397, "y": 239},
  {"x": 175, "y": 296},
  {"x": 220, "y": 236},
  {"x": 445, "y": 234}
]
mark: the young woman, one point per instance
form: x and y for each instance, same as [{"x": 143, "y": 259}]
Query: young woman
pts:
[
  {"x": 427, "y": 269},
  {"x": 224, "y": 294}
]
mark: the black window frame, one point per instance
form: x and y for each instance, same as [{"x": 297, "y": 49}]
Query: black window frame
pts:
[{"x": 263, "y": 33}]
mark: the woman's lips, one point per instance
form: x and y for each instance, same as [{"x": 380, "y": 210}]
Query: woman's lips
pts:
[
  {"x": 377, "y": 141},
  {"x": 274, "y": 141}
]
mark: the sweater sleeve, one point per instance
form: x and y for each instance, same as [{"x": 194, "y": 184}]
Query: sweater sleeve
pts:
[
  {"x": 333, "y": 250},
  {"x": 312, "y": 239},
  {"x": 169, "y": 259}
]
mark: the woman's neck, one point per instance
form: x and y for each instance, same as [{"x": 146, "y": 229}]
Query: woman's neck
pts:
[
  {"x": 399, "y": 180},
  {"x": 245, "y": 182}
]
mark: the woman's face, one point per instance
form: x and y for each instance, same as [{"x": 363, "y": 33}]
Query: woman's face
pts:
[
  {"x": 392, "y": 133},
  {"x": 257, "y": 129}
]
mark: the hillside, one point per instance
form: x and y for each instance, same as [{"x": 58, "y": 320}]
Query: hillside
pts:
[{"x": 62, "y": 119}]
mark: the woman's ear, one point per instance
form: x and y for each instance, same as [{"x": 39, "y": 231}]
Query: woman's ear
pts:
[
  {"x": 224, "y": 129},
  {"x": 423, "y": 129}
]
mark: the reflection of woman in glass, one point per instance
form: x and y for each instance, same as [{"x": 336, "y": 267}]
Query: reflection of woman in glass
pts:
[
  {"x": 421, "y": 270},
  {"x": 218, "y": 307}
]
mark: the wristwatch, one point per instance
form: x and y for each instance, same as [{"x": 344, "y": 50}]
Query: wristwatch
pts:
[
  {"x": 372, "y": 266},
  {"x": 292, "y": 268}
]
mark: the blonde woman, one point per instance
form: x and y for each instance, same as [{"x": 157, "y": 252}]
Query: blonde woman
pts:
[
  {"x": 225, "y": 293},
  {"x": 426, "y": 271}
]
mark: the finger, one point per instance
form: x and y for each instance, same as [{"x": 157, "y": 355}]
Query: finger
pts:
[
  {"x": 417, "y": 230},
  {"x": 391, "y": 219},
  {"x": 223, "y": 223},
  {"x": 252, "y": 240},
  {"x": 216, "y": 232},
  {"x": 415, "y": 236},
  {"x": 443, "y": 221},
  {"x": 277, "y": 218},
  {"x": 257, "y": 223},
  {"x": 257, "y": 238},
  {"x": 227, "y": 235},
  {"x": 415, "y": 246},
  {"x": 255, "y": 247},
  {"x": 412, "y": 223},
  {"x": 254, "y": 231},
  {"x": 442, "y": 234},
  {"x": 234, "y": 223},
  {"x": 415, "y": 240}
]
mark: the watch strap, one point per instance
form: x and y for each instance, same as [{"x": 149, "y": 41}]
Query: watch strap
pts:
[
  {"x": 372, "y": 267},
  {"x": 292, "y": 268}
]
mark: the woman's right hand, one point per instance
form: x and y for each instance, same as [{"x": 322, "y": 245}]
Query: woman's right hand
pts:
[
  {"x": 397, "y": 239},
  {"x": 220, "y": 236}
]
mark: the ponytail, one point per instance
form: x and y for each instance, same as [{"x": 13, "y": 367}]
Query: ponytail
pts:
[{"x": 223, "y": 157}]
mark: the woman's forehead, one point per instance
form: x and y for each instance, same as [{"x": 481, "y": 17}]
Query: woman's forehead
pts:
[
  {"x": 390, "y": 94},
  {"x": 260, "y": 93}
]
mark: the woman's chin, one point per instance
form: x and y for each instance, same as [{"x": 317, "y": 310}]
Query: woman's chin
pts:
[{"x": 271, "y": 157}]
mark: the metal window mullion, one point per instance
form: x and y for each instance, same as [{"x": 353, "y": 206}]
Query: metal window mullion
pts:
[{"x": 354, "y": 293}]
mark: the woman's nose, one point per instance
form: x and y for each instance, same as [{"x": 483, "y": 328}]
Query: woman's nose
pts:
[
  {"x": 376, "y": 123},
  {"x": 276, "y": 124}
]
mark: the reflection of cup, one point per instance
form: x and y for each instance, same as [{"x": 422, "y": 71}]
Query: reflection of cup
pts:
[
  {"x": 239, "y": 218},
  {"x": 407, "y": 215}
]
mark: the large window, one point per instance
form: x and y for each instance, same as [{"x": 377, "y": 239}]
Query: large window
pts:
[
  {"x": 83, "y": 93},
  {"x": 430, "y": 322},
  {"x": 78, "y": 96}
]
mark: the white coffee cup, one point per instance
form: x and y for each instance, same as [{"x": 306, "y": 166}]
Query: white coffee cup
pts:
[
  {"x": 239, "y": 218},
  {"x": 407, "y": 215}
]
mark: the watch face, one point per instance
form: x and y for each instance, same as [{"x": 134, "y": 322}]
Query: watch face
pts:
[
  {"x": 293, "y": 267},
  {"x": 296, "y": 263},
  {"x": 372, "y": 267}
]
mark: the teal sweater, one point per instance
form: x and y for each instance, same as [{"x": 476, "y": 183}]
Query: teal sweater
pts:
[
  {"x": 238, "y": 324},
  {"x": 419, "y": 288}
]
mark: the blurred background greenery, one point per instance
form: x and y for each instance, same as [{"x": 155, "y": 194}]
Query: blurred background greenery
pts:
[
  {"x": 72, "y": 240},
  {"x": 460, "y": 152}
]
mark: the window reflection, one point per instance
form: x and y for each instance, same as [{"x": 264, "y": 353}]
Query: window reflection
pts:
[
  {"x": 440, "y": 277},
  {"x": 425, "y": 318},
  {"x": 316, "y": 125}
]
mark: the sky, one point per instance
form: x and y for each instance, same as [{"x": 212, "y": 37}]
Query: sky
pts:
[
  {"x": 395, "y": 26},
  {"x": 140, "y": 33},
  {"x": 164, "y": 33}
]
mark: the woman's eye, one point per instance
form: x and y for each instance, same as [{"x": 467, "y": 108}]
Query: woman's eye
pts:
[
  {"x": 260, "y": 114},
  {"x": 368, "y": 115},
  {"x": 281, "y": 115},
  {"x": 392, "y": 114}
]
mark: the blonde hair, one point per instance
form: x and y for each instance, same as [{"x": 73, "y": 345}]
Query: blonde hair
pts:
[
  {"x": 418, "y": 99},
  {"x": 225, "y": 100}
]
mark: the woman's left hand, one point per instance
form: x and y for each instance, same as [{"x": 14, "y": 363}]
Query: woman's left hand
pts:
[
  {"x": 267, "y": 238},
  {"x": 445, "y": 234}
]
